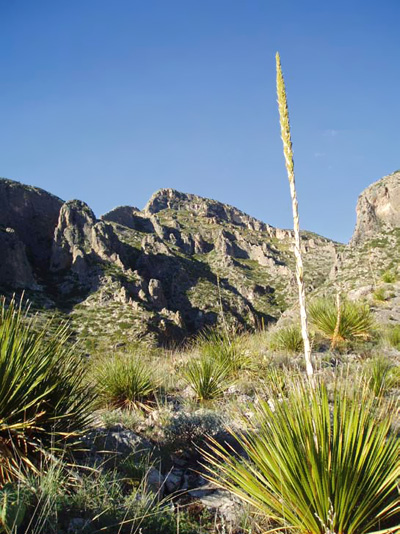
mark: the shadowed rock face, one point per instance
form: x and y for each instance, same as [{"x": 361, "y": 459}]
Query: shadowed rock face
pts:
[
  {"x": 130, "y": 217},
  {"x": 378, "y": 208},
  {"x": 33, "y": 214},
  {"x": 15, "y": 269}
]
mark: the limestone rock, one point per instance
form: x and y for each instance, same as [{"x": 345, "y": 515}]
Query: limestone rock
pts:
[
  {"x": 205, "y": 207},
  {"x": 80, "y": 240},
  {"x": 130, "y": 217},
  {"x": 156, "y": 293},
  {"x": 378, "y": 208}
]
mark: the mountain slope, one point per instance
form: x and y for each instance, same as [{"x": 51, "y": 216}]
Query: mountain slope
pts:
[{"x": 183, "y": 263}]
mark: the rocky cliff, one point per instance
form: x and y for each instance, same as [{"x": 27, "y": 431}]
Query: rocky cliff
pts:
[
  {"x": 368, "y": 268},
  {"x": 182, "y": 263},
  {"x": 28, "y": 217},
  {"x": 378, "y": 208}
]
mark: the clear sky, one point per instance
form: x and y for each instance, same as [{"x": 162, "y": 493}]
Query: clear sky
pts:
[{"x": 108, "y": 101}]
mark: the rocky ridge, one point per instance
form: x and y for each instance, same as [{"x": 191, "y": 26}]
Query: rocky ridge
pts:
[
  {"x": 368, "y": 268},
  {"x": 182, "y": 263}
]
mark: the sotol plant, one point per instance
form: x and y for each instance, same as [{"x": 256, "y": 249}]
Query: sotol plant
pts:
[
  {"x": 288, "y": 339},
  {"x": 44, "y": 395},
  {"x": 355, "y": 319},
  {"x": 207, "y": 377},
  {"x": 125, "y": 381},
  {"x": 311, "y": 466}
]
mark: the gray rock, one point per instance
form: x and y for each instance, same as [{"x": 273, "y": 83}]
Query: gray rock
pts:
[
  {"x": 15, "y": 268},
  {"x": 77, "y": 525},
  {"x": 118, "y": 440},
  {"x": 173, "y": 480},
  {"x": 156, "y": 293},
  {"x": 155, "y": 481},
  {"x": 224, "y": 504},
  {"x": 378, "y": 208}
]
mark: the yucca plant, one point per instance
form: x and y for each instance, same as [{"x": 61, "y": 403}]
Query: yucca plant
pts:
[
  {"x": 381, "y": 376},
  {"x": 355, "y": 319},
  {"x": 315, "y": 468},
  {"x": 224, "y": 348},
  {"x": 43, "y": 391},
  {"x": 125, "y": 381},
  {"x": 208, "y": 378},
  {"x": 287, "y": 339},
  {"x": 392, "y": 335},
  {"x": 389, "y": 277},
  {"x": 380, "y": 294}
]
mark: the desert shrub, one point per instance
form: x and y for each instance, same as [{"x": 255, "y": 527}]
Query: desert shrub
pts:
[
  {"x": 389, "y": 277},
  {"x": 381, "y": 376},
  {"x": 278, "y": 381},
  {"x": 223, "y": 348},
  {"x": 43, "y": 391},
  {"x": 392, "y": 336},
  {"x": 380, "y": 294},
  {"x": 287, "y": 339},
  {"x": 315, "y": 468},
  {"x": 127, "y": 418},
  {"x": 208, "y": 378},
  {"x": 191, "y": 428},
  {"x": 101, "y": 501},
  {"x": 125, "y": 381},
  {"x": 356, "y": 322}
]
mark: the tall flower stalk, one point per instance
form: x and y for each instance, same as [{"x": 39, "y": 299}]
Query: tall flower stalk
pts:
[{"x": 288, "y": 153}]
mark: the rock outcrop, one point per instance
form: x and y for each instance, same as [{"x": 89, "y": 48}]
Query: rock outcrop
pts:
[
  {"x": 378, "y": 208},
  {"x": 15, "y": 269},
  {"x": 80, "y": 240},
  {"x": 32, "y": 213}
]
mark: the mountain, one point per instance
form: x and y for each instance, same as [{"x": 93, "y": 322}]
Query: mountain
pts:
[
  {"x": 182, "y": 263},
  {"x": 368, "y": 267}
]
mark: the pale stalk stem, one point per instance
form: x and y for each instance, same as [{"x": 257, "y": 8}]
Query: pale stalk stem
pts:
[
  {"x": 338, "y": 317},
  {"x": 288, "y": 153}
]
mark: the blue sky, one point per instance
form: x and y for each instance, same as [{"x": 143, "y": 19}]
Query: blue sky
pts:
[{"x": 109, "y": 101}]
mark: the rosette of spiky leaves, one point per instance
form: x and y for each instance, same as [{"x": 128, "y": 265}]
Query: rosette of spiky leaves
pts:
[
  {"x": 208, "y": 378},
  {"x": 355, "y": 319},
  {"x": 126, "y": 381},
  {"x": 315, "y": 468},
  {"x": 287, "y": 339},
  {"x": 225, "y": 348},
  {"x": 43, "y": 392}
]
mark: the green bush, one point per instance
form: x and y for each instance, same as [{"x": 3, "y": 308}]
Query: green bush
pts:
[
  {"x": 356, "y": 322},
  {"x": 44, "y": 395},
  {"x": 381, "y": 376},
  {"x": 315, "y": 468},
  {"x": 392, "y": 335},
  {"x": 287, "y": 339},
  {"x": 187, "y": 429},
  {"x": 380, "y": 294},
  {"x": 125, "y": 381},
  {"x": 389, "y": 277},
  {"x": 208, "y": 378},
  {"x": 223, "y": 348}
]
